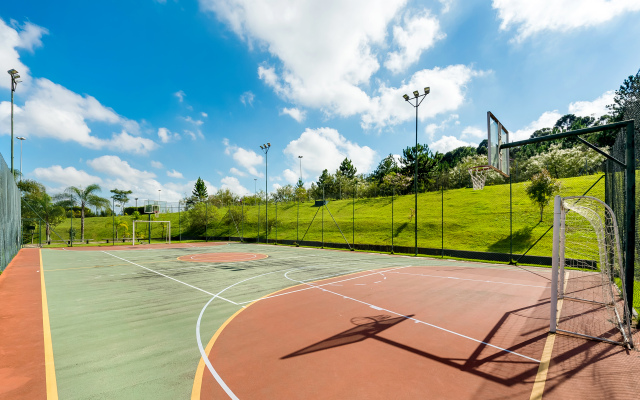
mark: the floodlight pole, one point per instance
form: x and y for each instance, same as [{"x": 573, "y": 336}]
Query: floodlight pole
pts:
[
  {"x": 21, "y": 139},
  {"x": 419, "y": 98},
  {"x": 14, "y": 83},
  {"x": 298, "y": 219},
  {"x": 265, "y": 149}
]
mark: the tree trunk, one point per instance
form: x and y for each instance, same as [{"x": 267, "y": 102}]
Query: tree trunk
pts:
[
  {"x": 81, "y": 222},
  {"x": 48, "y": 232},
  {"x": 541, "y": 210}
]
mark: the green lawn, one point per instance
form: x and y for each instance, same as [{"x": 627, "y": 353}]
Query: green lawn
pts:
[{"x": 473, "y": 220}]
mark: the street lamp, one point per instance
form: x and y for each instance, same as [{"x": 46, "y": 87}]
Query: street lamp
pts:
[
  {"x": 418, "y": 100},
  {"x": 298, "y": 220},
  {"x": 265, "y": 149},
  {"x": 21, "y": 138},
  {"x": 14, "y": 83}
]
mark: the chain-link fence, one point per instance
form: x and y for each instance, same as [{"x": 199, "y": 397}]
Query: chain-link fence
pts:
[{"x": 9, "y": 216}]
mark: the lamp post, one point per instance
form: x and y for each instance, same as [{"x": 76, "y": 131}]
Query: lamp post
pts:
[
  {"x": 415, "y": 104},
  {"x": 14, "y": 83},
  {"x": 298, "y": 219},
  {"x": 265, "y": 149},
  {"x": 21, "y": 138},
  {"x": 136, "y": 204}
]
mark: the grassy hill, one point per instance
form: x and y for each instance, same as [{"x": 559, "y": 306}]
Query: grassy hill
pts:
[{"x": 472, "y": 220}]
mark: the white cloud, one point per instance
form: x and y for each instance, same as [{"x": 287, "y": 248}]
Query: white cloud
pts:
[
  {"x": 194, "y": 135},
  {"x": 431, "y": 129},
  {"x": 294, "y": 113},
  {"x": 447, "y": 94},
  {"x": 448, "y": 143},
  {"x": 53, "y": 111},
  {"x": 236, "y": 171},
  {"x": 595, "y": 108},
  {"x": 532, "y": 17},
  {"x": 204, "y": 114},
  {"x": 157, "y": 164},
  {"x": 248, "y": 159},
  {"x": 174, "y": 174},
  {"x": 131, "y": 144},
  {"x": 420, "y": 32},
  {"x": 232, "y": 183},
  {"x": 472, "y": 132},
  {"x": 28, "y": 36},
  {"x": 166, "y": 135},
  {"x": 325, "y": 148},
  {"x": 546, "y": 120},
  {"x": 290, "y": 176},
  {"x": 180, "y": 95},
  {"x": 114, "y": 166},
  {"x": 324, "y": 55},
  {"x": 247, "y": 98},
  {"x": 196, "y": 122},
  {"x": 68, "y": 176}
]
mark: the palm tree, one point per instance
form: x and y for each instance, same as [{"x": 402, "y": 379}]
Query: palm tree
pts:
[{"x": 83, "y": 197}]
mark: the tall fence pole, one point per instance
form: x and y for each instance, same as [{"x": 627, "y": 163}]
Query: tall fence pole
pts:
[
  {"x": 353, "y": 216},
  {"x": 630, "y": 214},
  {"x": 393, "y": 193},
  {"x": 242, "y": 234},
  {"x": 206, "y": 222},
  {"x": 441, "y": 216},
  {"x": 258, "y": 239},
  {"x": 276, "y": 201},
  {"x": 323, "y": 216}
]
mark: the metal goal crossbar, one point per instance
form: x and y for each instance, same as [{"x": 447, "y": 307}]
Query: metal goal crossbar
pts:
[{"x": 166, "y": 232}]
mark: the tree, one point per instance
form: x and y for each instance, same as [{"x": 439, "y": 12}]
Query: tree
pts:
[
  {"x": 541, "y": 189},
  {"x": 626, "y": 102},
  {"x": 427, "y": 164},
  {"x": 386, "y": 166},
  {"x": 83, "y": 197},
  {"x": 121, "y": 196},
  {"x": 200, "y": 190},
  {"x": 453, "y": 157},
  {"x": 52, "y": 214},
  {"x": 347, "y": 169},
  {"x": 397, "y": 182}
]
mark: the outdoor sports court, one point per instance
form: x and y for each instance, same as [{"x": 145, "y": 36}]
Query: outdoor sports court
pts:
[{"x": 278, "y": 322}]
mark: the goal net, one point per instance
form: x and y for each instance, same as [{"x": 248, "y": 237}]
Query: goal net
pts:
[
  {"x": 587, "y": 289},
  {"x": 143, "y": 230}
]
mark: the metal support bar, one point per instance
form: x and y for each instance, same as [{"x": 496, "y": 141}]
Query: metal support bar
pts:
[
  {"x": 597, "y": 150},
  {"x": 577, "y": 132},
  {"x": 338, "y": 226},
  {"x": 305, "y": 232}
]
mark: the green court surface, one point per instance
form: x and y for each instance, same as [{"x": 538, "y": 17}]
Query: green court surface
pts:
[{"x": 123, "y": 322}]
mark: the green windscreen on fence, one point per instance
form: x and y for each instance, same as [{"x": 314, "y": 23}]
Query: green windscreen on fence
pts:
[{"x": 9, "y": 215}]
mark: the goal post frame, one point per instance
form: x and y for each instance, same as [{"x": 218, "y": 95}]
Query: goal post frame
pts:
[
  {"x": 168, "y": 234},
  {"x": 630, "y": 186},
  {"x": 559, "y": 278}
]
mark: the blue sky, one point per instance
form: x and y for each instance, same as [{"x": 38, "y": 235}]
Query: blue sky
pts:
[{"x": 150, "y": 95}]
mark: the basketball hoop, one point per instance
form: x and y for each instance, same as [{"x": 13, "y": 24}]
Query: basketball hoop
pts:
[{"x": 479, "y": 176}]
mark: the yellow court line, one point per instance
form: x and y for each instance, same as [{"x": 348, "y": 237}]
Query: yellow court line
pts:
[
  {"x": 50, "y": 369},
  {"x": 545, "y": 360}
]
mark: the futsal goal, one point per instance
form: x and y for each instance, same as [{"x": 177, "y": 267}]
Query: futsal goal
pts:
[
  {"x": 588, "y": 297},
  {"x": 162, "y": 231}
]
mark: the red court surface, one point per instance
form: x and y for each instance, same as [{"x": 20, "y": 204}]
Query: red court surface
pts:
[
  {"x": 22, "y": 368},
  {"x": 222, "y": 257},
  {"x": 412, "y": 333},
  {"x": 154, "y": 246}
]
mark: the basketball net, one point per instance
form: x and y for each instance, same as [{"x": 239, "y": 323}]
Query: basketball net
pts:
[
  {"x": 479, "y": 176},
  {"x": 157, "y": 213}
]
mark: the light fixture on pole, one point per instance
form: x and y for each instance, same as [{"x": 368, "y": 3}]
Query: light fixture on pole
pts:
[
  {"x": 159, "y": 190},
  {"x": 14, "y": 83},
  {"x": 298, "y": 219},
  {"x": 418, "y": 100},
  {"x": 136, "y": 204},
  {"x": 265, "y": 149},
  {"x": 21, "y": 138}
]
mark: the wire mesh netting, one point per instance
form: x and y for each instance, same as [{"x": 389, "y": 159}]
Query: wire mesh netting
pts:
[
  {"x": 10, "y": 215},
  {"x": 590, "y": 261}
]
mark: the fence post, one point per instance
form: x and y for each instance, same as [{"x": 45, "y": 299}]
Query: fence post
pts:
[
  {"x": 353, "y": 216},
  {"x": 323, "y": 216},
  {"x": 393, "y": 192},
  {"x": 276, "y": 201},
  {"x": 206, "y": 221}
]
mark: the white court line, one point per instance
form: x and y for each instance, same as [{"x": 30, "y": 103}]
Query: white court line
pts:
[
  {"x": 324, "y": 284},
  {"x": 417, "y": 320},
  {"x": 466, "y": 279},
  {"x": 173, "y": 279}
]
